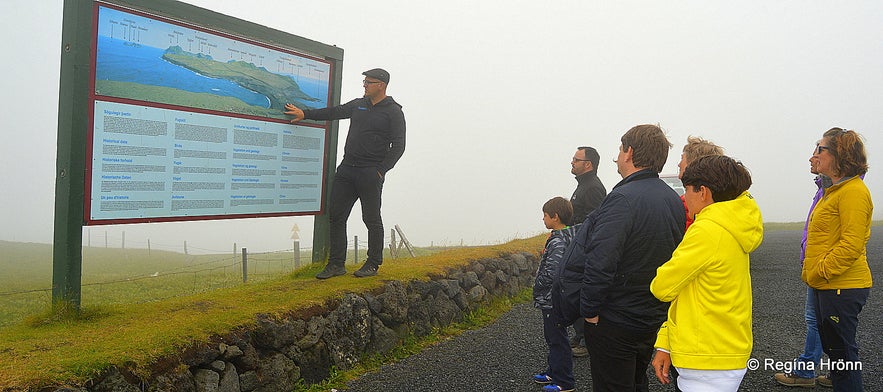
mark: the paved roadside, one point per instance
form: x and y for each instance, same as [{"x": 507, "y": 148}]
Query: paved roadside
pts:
[{"x": 503, "y": 355}]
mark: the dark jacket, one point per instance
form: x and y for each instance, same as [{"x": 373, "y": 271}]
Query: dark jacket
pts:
[
  {"x": 566, "y": 289},
  {"x": 588, "y": 195},
  {"x": 376, "y": 135},
  {"x": 547, "y": 272},
  {"x": 633, "y": 232}
]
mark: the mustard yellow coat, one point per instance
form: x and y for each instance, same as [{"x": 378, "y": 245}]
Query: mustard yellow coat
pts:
[{"x": 837, "y": 237}]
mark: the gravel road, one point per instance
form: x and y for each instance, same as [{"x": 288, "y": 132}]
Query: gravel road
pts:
[{"x": 503, "y": 355}]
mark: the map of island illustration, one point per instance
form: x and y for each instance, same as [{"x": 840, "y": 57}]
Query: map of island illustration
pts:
[{"x": 146, "y": 59}]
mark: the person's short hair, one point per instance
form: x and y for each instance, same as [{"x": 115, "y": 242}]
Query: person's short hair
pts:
[
  {"x": 591, "y": 155},
  {"x": 650, "y": 146},
  {"x": 726, "y": 177},
  {"x": 848, "y": 150},
  {"x": 698, "y": 147},
  {"x": 561, "y": 207}
]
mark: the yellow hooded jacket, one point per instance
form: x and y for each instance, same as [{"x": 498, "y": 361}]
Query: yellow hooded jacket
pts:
[
  {"x": 708, "y": 283},
  {"x": 837, "y": 238}
]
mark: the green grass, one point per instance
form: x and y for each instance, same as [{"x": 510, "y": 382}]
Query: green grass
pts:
[
  {"x": 133, "y": 319},
  {"x": 175, "y": 96},
  {"x": 122, "y": 276},
  {"x": 58, "y": 349}
]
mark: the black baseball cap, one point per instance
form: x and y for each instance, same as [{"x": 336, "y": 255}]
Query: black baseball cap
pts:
[{"x": 377, "y": 73}]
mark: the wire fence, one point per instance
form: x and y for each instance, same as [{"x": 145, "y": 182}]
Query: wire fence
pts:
[
  {"x": 119, "y": 271},
  {"x": 128, "y": 275}
]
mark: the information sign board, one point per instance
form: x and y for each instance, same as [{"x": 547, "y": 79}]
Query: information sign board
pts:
[{"x": 187, "y": 123}]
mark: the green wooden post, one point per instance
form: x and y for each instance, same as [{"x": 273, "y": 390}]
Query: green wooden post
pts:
[{"x": 67, "y": 255}]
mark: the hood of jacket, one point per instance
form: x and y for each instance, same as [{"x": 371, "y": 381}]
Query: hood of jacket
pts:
[{"x": 740, "y": 217}]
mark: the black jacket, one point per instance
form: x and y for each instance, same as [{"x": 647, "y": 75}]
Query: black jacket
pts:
[
  {"x": 616, "y": 251},
  {"x": 588, "y": 195},
  {"x": 376, "y": 135}
]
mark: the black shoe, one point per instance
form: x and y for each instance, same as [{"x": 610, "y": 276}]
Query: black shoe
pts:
[
  {"x": 331, "y": 271},
  {"x": 368, "y": 269}
]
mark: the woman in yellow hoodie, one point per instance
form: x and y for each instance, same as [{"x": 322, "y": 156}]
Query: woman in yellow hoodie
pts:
[
  {"x": 707, "y": 336},
  {"x": 836, "y": 263}
]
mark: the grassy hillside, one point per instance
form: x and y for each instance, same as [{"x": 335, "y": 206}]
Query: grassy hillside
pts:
[
  {"x": 122, "y": 276},
  {"x": 178, "y": 97},
  {"x": 46, "y": 350},
  {"x": 130, "y": 316},
  {"x": 278, "y": 88}
]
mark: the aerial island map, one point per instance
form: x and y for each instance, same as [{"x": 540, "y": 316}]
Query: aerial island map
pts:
[
  {"x": 187, "y": 123},
  {"x": 146, "y": 59}
]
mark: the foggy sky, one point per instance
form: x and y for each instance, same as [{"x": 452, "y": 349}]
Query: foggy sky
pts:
[{"x": 498, "y": 94}]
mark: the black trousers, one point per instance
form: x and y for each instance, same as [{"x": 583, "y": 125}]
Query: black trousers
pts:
[
  {"x": 351, "y": 184},
  {"x": 619, "y": 358}
]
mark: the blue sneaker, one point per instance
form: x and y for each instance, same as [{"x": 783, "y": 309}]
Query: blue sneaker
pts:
[
  {"x": 542, "y": 378},
  {"x": 555, "y": 388}
]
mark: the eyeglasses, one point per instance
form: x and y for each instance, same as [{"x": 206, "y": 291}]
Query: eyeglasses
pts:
[
  {"x": 820, "y": 148},
  {"x": 367, "y": 82},
  {"x": 580, "y": 160}
]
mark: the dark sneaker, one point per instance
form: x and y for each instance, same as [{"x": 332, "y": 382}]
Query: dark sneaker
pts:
[
  {"x": 542, "y": 378},
  {"x": 556, "y": 388},
  {"x": 791, "y": 380},
  {"x": 824, "y": 381},
  {"x": 331, "y": 271},
  {"x": 368, "y": 269}
]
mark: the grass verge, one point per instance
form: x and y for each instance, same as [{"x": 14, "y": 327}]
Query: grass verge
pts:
[{"x": 48, "y": 351}]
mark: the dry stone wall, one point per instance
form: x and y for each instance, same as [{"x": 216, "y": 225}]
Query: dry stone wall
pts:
[{"x": 277, "y": 354}]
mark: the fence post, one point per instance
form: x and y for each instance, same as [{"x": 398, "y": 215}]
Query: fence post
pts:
[
  {"x": 148, "y": 247},
  {"x": 185, "y": 247},
  {"x": 234, "y": 254},
  {"x": 244, "y": 265},
  {"x": 356, "y": 249},
  {"x": 296, "y": 254},
  {"x": 124, "y": 240},
  {"x": 405, "y": 240},
  {"x": 392, "y": 243}
]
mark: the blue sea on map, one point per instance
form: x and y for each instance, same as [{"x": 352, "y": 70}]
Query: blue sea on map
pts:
[{"x": 119, "y": 61}]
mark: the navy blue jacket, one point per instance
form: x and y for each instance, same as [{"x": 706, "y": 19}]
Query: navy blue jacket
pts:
[
  {"x": 614, "y": 255},
  {"x": 376, "y": 137},
  {"x": 548, "y": 270}
]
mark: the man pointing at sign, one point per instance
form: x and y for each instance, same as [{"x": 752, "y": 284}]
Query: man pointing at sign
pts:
[{"x": 374, "y": 143}]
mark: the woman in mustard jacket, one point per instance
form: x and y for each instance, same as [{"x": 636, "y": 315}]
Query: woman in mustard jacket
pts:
[
  {"x": 836, "y": 263},
  {"x": 707, "y": 336}
]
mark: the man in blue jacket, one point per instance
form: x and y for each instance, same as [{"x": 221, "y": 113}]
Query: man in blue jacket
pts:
[
  {"x": 632, "y": 233},
  {"x": 374, "y": 143}
]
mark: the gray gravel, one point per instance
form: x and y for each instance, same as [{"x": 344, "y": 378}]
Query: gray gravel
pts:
[{"x": 502, "y": 356}]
